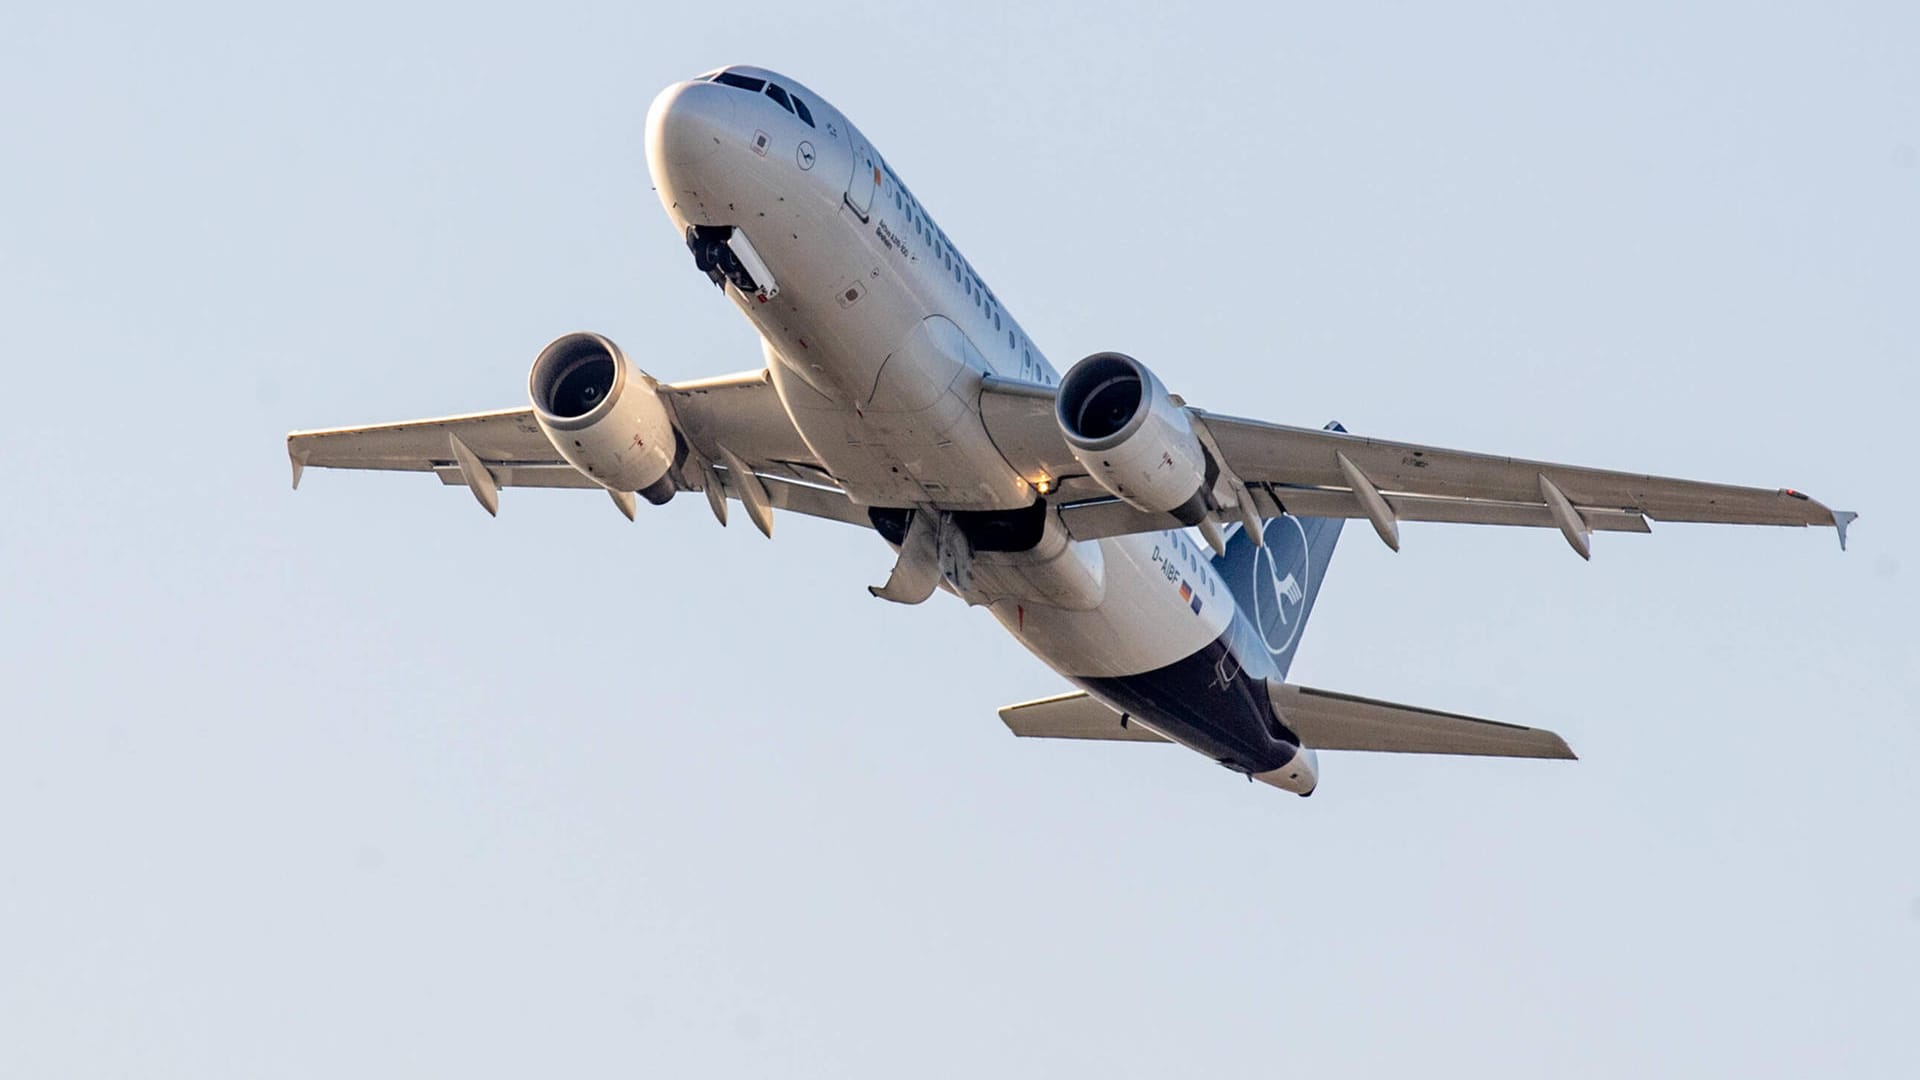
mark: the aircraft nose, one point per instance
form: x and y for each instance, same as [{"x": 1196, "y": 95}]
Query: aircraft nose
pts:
[{"x": 688, "y": 122}]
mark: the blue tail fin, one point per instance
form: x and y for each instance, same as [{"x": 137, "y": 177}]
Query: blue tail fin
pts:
[{"x": 1275, "y": 584}]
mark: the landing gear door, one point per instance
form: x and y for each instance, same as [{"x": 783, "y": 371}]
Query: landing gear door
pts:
[{"x": 866, "y": 175}]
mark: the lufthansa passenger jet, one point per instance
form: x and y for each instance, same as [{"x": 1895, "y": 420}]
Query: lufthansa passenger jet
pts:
[{"x": 1161, "y": 558}]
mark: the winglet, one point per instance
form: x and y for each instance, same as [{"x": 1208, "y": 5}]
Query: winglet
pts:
[
  {"x": 1842, "y": 519},
  {"x": 299, "y": 459}
]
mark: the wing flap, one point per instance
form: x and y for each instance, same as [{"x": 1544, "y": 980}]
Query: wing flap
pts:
[
  {"x": 1072, "y": 716},
  {"x": 807, "y": 499},
  {"x": 1314, "y": 502},
  {"x": 1097, "y": 518},
  {"x": 1328, "y": 721},
  {"x": 522, "y": 476}
]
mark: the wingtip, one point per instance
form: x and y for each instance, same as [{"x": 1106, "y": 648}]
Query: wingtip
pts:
[{"x": 1842, "y": 519}]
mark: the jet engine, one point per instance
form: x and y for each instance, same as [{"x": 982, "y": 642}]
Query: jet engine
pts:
[
  {"x": 604, "y": 415},
  {"x": 1122, "y": 425}
]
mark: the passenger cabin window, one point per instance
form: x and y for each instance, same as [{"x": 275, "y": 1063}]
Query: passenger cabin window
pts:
[
  {"x": 779, "y": 95},
  {"x": 751, "y": 86}
]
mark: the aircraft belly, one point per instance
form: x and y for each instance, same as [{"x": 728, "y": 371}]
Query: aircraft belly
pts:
[
  {"x": 886, "y": 397},
  {"x": 1192, "y": 675},
  {"x": 1206, "y": 702},
  {"x": 1056, "y": 572},
  {"x": 899, "y": 424},
  {"x": 1142, "y": 623}
]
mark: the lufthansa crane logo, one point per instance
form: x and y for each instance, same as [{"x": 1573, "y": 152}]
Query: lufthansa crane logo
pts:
[{"x": 1280, "y": 584}]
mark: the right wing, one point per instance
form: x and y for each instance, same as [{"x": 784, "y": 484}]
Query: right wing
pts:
[
  {"x": 1325, "y": 720},
  {"x": 1329, "y": 473},
  {"x": 741, "y": 412}
]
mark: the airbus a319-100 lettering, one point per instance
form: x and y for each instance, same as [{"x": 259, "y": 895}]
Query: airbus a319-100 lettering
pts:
[{"x": 900, "y": 396}]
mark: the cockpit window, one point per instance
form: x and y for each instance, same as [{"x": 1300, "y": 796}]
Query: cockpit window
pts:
[
  {"x": 789, "y": 102},
  {"x": 750, "y": 85}
]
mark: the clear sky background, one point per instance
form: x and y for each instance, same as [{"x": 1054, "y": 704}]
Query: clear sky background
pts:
[{"x": 357, "y": 781}]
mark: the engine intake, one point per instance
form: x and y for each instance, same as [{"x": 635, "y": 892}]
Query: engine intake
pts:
[
  {"x": 604, "y": 415},
  {"x": 1124, "y": 428}
]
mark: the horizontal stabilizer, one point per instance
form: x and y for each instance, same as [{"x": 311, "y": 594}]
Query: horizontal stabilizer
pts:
[
  {"x": 1329, "y": 721},
  {"x": 1072, "y": 716}
]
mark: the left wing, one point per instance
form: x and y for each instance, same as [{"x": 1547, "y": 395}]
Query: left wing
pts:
[
  {"x": 1073, "y": 716},
  {"x": 1322, "y": 719},
  {"x": 1329, "y": 473},
  {"x": 506, "y": 448}
]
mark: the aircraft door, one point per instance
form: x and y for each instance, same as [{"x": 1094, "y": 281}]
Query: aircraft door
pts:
[{"x": 866, "y": 174}]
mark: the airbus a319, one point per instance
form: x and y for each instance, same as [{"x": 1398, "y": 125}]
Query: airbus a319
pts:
[{"x": 1161, "y": 558}]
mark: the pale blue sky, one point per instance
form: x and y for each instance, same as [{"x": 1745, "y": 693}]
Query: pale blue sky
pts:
[{"x": 358, "y": 781}]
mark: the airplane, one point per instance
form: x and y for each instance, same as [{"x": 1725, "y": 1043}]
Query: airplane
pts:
[{"x": 900, "y": 396}]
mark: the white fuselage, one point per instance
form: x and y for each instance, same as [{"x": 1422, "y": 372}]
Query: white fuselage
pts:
[{"x": 877, "y": 341}]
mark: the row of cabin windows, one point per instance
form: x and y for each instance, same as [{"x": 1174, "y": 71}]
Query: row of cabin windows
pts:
[
  {"x": 902, "y": 200},
  {"x": 924, "y": 228},
  {"x": 1192, "y": 557},
  {"x": 787, "y": 101}
]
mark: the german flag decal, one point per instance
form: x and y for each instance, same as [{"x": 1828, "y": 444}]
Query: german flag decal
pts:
[{"x": 1191, "y": 597}]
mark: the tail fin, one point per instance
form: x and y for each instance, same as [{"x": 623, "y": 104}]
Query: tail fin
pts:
[{"x": 1275, "y": 584}]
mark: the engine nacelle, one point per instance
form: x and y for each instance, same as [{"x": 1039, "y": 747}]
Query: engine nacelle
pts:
[
  {"x": 604, "y": 415},
  {"x": 1123, "y": 427}
]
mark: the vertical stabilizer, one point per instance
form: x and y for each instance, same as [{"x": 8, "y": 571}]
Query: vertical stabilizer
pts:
[{"x": 1275, "y": 584}]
